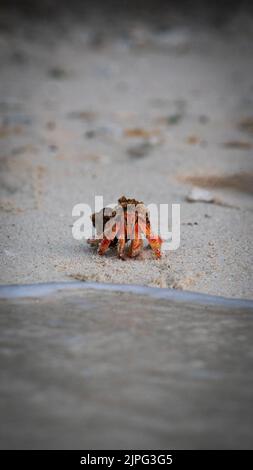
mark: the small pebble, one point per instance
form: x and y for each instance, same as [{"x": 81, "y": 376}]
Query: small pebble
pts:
[{"x": 200, "y": 195}]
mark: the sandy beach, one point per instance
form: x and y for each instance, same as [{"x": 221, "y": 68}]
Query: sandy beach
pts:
[
  {"x": 144, "y": 113},
  {"x": 152, "y": 100}
]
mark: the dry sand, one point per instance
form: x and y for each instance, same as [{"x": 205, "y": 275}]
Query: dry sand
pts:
[{"x": 69, "y": 101}]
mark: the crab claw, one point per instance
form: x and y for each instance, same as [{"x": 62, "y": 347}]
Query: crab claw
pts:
[{"x": 103, "y": 246}]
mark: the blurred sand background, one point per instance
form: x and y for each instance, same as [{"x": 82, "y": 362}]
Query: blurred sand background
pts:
[{"x": 143, "y": 106}]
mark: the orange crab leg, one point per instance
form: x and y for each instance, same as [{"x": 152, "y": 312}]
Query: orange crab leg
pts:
[
  {"x": 135, "y": 248},
  {"x": 136, "y": 244},
  {"x": 154, "y": 241},
  {"x": 113, "y": 230},
  {"x": 93, "y": 241},
  {"x": 109, "y": 235},
  {"x": 121, "y": 248},
  {"x": 121, "y": 241},
  {"x": 130, "y": 225}
]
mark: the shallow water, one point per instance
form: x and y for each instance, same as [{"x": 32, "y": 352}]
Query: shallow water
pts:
[{"x": 87, "y": 368}]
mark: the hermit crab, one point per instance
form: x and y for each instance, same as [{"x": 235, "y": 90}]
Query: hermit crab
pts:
[{"x": 127, "y": 222}]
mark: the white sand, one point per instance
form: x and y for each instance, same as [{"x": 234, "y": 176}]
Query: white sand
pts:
[{"x": 48, "y": 164}]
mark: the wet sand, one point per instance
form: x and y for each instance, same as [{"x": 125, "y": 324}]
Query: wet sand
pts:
[{"x": 120, "y": 370}]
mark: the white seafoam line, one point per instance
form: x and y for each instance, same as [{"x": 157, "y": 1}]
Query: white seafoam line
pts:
[{"x": 44, "y": 289}]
